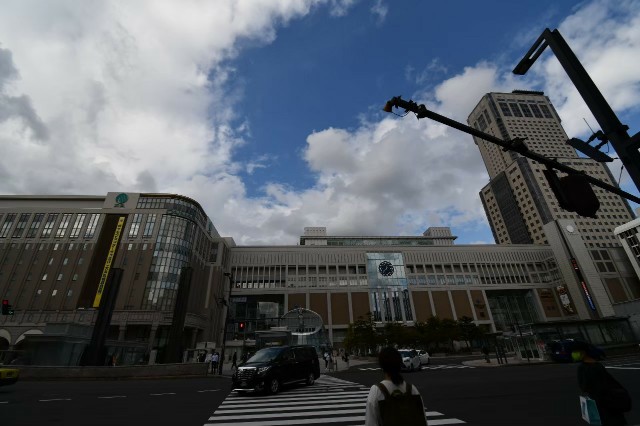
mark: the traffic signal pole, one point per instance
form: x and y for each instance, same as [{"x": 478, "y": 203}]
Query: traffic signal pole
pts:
[
  {"x": 516, "y": 145},
  {"x": 626, "y": 147}
]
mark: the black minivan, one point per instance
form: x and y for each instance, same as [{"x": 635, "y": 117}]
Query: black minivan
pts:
[{"x": 270, "y": 368}]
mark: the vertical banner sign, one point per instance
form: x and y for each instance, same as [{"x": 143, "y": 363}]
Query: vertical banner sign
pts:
[
  {"x": 574, "y": 264},
  {"x": 107, "y": 263}
]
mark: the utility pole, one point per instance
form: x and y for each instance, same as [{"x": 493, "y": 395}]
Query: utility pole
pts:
[
  {"x": 625, "y": 146},
  {"x": 227, "y": 304}
]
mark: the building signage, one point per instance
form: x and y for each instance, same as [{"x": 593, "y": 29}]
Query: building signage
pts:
[
  {"x": 107, "y": 263},
  {"x": 121, "y": 199},
  {"x": 564, "y": 299},
  {"x": 574, "y": 265}
]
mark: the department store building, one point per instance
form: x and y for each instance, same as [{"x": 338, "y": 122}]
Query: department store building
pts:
[{"x": 55, "y": 250}]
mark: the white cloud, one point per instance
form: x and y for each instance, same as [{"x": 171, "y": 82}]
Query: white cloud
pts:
[
  {"x": 98, "y": 97},
  {"x": 380, "y": 10}
]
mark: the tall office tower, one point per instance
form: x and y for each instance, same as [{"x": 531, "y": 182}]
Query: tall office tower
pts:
[{"x": 517, "y": 199}]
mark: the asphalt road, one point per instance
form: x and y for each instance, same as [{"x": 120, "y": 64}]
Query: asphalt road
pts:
[
  {"x": 123, "y": 402},
  {"x": 514, "y": 395},
  {"x": 545, "y": 394}
]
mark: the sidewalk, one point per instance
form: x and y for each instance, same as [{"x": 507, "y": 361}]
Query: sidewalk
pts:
[
  {"x": 510, "y": 361},
  {"x": 341, "y": 365}
]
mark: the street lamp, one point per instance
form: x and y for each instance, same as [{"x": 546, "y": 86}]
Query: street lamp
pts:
[{"x": 226, "y": 320}]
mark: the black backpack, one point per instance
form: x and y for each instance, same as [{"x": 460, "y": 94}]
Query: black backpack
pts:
[{"x": 401, "y": 408}]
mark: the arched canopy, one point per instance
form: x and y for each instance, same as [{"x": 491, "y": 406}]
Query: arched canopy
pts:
[{"x": 26, "y": 333}]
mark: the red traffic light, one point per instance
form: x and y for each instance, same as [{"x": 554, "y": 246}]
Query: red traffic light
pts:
[
  {"x": 5, "y": 307},
  {"x": 241, "y": 326}
]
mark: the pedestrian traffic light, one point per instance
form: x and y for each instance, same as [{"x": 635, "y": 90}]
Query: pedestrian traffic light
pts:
[
  {"x": 5, "y": 307},
  {"x": 241, "y": 326}
]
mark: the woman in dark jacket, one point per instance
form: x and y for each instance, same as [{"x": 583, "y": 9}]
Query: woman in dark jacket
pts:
[{"x": 595, "y": 381}]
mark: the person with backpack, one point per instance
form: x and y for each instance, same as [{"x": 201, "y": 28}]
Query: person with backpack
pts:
[
  {"x": 393, "y": 401},
  {"x": 612, "y": 399}
]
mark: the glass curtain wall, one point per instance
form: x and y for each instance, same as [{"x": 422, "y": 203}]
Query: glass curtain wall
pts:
[{"x": 172, "y": 251}]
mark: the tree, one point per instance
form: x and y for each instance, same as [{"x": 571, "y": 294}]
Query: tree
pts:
[
  {"x": 468, "y": 330},
  {"x": 362, "y": 335}
]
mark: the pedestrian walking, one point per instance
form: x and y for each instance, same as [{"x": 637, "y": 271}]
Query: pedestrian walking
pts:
[
  {"x": 326, "y": 361},
  {"x": 611, "y": 398},
  {"x": 393, "y": 401},
  {"x": 346, "y": 359},
  {"x": 207, "y": 359},
  {"x": 234, "y": 361},
  {"x": 215, "y": 358}
]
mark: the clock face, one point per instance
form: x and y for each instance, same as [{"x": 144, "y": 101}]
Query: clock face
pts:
[{"x": 386, "y": 268}]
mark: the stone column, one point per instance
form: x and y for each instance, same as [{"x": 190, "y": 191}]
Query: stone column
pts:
[{"x": 122, "y": 331}]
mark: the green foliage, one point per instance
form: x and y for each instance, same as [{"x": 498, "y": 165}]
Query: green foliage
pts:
[
  {"x": 362, "y": 335},
  {"x": 435, "y": 334}
]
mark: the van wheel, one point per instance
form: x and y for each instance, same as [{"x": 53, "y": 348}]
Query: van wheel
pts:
[
  {"x": 274, "y": 386},
  {"x": 311, "y": 378}
]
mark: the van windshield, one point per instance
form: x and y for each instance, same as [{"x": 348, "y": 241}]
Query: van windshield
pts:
[{"x": 265, "y": 355}]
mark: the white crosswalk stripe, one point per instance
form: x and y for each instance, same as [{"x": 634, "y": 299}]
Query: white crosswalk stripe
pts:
[
  {"x": 330, "y": 401},
  {"x": 426, "y": 367}
]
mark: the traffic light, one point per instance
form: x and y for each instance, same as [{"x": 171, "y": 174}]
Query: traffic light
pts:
[
  {"x": 5, "y": 307},
  {"x": 574, "y": 193},
  {"x": 241, "y": 326}
]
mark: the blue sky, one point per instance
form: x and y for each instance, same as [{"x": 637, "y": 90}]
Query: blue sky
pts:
[{"x": 268, "y": 112}]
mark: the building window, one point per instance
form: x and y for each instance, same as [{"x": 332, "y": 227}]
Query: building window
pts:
[
  {"x": 69, "y": 293},
  {"x": 148, "y": 227},
  {"x": 35, "y": 225},
  {"x": 60, "y": 277},
  {"x": 44, "y": 277},
  {"x": 64, "y": 224},
  {"x": 135, "y": 225},
  {"x": 545, "y": 111},
  {"x": 536, "y": 111},
  {"x": 91, "y": 227},
  {"x": 75, "y": 277},
  {"x": 22, "y": 223},
  {"x": 505, "y": 109},
  {"x": 48, "y": 226},
  {"x": 515, "y": 109},
  {"x": 526, "y": 110},
  {"x": 6, "y": 226},
  {"x": 75, "y": 231}
]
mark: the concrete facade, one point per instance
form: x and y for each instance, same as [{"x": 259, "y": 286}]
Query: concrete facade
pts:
[{"x": 518, "y": 200}]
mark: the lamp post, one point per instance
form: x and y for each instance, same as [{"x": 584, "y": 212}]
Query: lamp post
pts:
[{"x": 226, "y": 303}]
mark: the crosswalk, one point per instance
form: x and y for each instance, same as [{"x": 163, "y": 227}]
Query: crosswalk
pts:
[
  {"x": 631, "y": 362},
  {"x": 329, "y": 401},
  {"x": 426, "y": 367}
]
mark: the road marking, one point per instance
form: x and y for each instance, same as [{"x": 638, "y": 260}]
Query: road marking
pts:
[
  {"x": 209, "y": 390},
  {"x": 110, "y": 397},
  {"x": 166, "y": 393},
  {"x": 4, "y": 402},
  {"x": 305, "y": 406},
  {"x": 623, "y": 368},
  {"x": 55, "y": 399},
  {"x": 445, "y": 422}
]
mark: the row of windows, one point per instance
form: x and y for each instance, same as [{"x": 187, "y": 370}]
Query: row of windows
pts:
[
  {"x": 49, "y": 229},
  {"x": 136, "y": 221},
  {"x": 520, "y": 109}
]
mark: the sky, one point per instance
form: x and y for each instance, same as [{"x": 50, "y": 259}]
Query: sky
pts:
[{"x": 268, "y": 112}]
